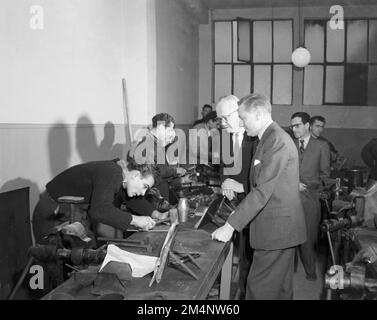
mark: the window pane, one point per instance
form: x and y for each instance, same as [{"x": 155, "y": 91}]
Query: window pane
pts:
[
  {"x": 282, "y": 41},
  {"x": 243, "y": 40},
  {"x": 356, "y": 79},
  {"x": 223, "y": 81},
  {"x": 242, "y": 79},
  {"x": 357, "y": 41},
  {"x": 314, "y": 39},
  {"x": 282, "y": 87},
  {"x": 235, "y": 41},
  {"x": 262, "y": 41},
  {"x": 372, "y": 86},
  {"x": 335, "y": 45},
  {"x": 262, "y": 80},
  {"x": 313, "y": 85},
  {"x": 223, "y": 42},
  {"x": 373, "y": 41},
  {"x": 334, "y": 84}
]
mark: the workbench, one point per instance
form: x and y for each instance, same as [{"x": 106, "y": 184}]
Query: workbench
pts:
[{"x": 176, "y": 284}]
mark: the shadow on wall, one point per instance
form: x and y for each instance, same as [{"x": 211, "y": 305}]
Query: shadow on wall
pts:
[
  {"x": 59, "y": 148},
  {"x": 86, "y": 142}
]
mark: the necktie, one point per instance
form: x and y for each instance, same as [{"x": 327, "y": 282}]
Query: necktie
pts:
[
  {"x": 302, "y": 146},
  {"x": 237, "y": 144}
]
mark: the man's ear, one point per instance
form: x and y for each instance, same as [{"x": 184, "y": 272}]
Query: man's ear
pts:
[
  {"x": 258, "y": 114},
  {"x": 307, "y": 125},
  {"x": 135, "y": 174}
]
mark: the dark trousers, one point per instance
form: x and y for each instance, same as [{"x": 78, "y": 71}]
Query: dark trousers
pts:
[
  {"x": 271, "y": 275},
  {"x": 245, "y": 260},
  {"x": 312, "y": 209},
  {"x": 43, "y": 217}
]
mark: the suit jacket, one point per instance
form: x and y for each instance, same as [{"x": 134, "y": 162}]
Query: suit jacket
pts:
[
  {"x": 369, "y": 156},
  {"x": 314, "y": 163},
  {"x": 273, "y": 205},
  {"x": 248, "y": 147}
]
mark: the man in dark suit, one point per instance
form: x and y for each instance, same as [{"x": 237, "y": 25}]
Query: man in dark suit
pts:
[
  {"x": 235, "y": 183},
  {"x": 369, "y": 156},
  {"x": 314, "y": 156},
  {"x": 272, "y": 207},
  {"x": 205, "y": 110},
  {"x": 317, "y": 125}
]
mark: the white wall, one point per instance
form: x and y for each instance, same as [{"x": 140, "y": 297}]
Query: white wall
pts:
[
  {"x": 61, "y": 85},
  {"x": 177, "y": 60},
  {"x": 205, "y": 63},
  {"x": 74, "y": 66}
]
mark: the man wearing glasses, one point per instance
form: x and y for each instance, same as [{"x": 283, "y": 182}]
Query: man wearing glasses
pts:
[
  {"x": 314, "y": 164},
  {"x": 235, "y": 179},
  {"x": 272, "y": 206}
]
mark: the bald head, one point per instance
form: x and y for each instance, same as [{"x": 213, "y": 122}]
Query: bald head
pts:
[
  {"x": 227, "y": 111},
  {"x": 226, "y": 105}
]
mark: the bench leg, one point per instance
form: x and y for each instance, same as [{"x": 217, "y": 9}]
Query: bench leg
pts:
[{"x": 226, "y": 275}]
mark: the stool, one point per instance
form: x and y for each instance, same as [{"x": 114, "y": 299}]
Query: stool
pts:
[{"x": 75, "y": 212}]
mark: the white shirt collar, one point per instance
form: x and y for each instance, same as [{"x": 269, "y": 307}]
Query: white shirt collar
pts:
[
  {"x": 240, "y": 132},
  {"x": 306, "y": 140},
  {"x": 268, "y": 123}
]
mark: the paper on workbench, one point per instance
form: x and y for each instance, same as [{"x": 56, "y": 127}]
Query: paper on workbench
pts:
[{"x": 140, "y": 265}]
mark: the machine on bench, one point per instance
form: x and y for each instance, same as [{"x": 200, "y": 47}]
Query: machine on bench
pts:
[{"x": 351, "y": 231}]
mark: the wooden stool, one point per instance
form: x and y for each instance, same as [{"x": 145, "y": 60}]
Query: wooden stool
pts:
[{"x": 75, "y": 212}]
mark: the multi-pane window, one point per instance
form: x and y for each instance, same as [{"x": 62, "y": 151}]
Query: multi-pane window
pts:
[
  {"x": 253, "y": 56},
  {"x": 343, "y": 67}
]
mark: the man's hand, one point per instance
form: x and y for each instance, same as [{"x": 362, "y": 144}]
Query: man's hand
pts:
[
  {"x": 159, "y": 215},
  {"x": 230, "y": 187},
  {"x": 234, "y": 185},
  {"x": 224, "y": 233},
  {"x": 302, "y": 187},
  {"x": 181, "y": 171},
  {"x": 173, "y": 215},
  {"x": 143, "y": 222},
  {"x": 228, "y": 193}
]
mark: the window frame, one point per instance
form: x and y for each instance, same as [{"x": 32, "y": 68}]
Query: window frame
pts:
[
  {"x": 345, "y": 63},
  {"x": 251, "y": 63}
]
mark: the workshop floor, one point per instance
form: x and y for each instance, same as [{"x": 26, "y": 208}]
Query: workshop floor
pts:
[
  {"x": 302, "y": 288},
  {"x": 308, "y": 290}
]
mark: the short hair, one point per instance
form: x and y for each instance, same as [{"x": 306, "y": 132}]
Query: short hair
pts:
[
  {"x": 318, "y": 118},
  {"x": 207, "y": 106},
  {"x": 254, "y": 101},
  {"x": 229, "y": 103},
  {"x": 210, "y": 116},
  {"x": 162, "y": 117},
  {"x": 303, "y": 115},
  {"x": 144, "y": 169}
]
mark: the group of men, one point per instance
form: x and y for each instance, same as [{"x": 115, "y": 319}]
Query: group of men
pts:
[
  {"x": 118, "y": 193},
  {"x": 277, "y": 190},
  {"x": 274, "y": 182}
]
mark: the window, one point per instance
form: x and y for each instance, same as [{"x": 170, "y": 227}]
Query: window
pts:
[
  {"x": 253, "y": 56},
  {"x": 343, "y": 67}
]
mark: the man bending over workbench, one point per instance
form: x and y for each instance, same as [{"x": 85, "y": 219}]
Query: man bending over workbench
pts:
[{"x": 98, "y": 182}]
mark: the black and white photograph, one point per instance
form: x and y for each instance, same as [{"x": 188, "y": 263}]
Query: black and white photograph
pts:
[{"x": 200, "y": 152}]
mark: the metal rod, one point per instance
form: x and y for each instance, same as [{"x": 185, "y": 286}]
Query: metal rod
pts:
[
  {"x": 331, "y": 249},
  {"x": 21, "y": 279}
]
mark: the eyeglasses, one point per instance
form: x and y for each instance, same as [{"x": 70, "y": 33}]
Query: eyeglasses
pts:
[
  {"x": 295, "y": 125},
  {"x": 226, "y": 118}
]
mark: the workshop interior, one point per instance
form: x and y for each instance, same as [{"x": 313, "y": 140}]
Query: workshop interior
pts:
[{"x": 120, "y": 122}]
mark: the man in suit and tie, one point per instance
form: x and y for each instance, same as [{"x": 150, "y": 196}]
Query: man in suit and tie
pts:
[
  {"x": 272, "y": 206},
  {"x": 235, "y": 182},
  {"x": 314, "y": 159}
]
